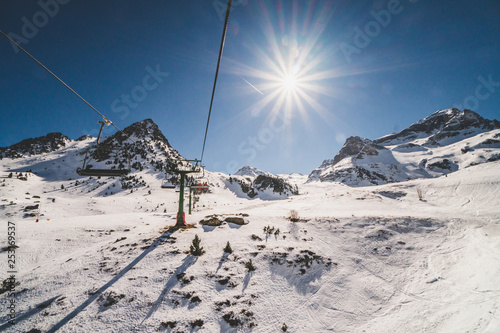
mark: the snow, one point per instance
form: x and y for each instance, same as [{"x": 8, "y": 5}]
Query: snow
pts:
[
  {"x": 378, "y": 258},
  {"x": 251, "y": 171},
  {"x": 415, "y": 158}
]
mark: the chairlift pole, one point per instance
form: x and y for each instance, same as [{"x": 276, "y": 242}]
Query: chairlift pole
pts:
[
  {"x": 181, "y": 221},
  {"x": 190, "y": 194}
]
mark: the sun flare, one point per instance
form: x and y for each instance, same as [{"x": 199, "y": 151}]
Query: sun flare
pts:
[
  {"x": 289, "y": 82},
  {"x": 292, "y": 72}
]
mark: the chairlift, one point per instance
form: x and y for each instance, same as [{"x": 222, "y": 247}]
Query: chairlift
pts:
[
  {"x": 102, "y": 152},
  {"x": 169, "y": 182},
  {"x": 167, "y": 185},
  {"x": 200, "y": 184}
]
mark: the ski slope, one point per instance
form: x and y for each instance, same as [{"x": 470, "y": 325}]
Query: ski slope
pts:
[{"x": 364, "y": 259}]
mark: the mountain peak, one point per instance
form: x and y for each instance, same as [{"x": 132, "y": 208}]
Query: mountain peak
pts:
[
  {"x": 440, "y": 125},
  {"x": 417, "y": 151},
  {"x": 144, "y": 129},
  {"x": 358, "y": 147},
  {"x": 251, "y": 171}
]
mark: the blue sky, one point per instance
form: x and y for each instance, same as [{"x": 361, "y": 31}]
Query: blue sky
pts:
[{"x": 296, "y": 78}]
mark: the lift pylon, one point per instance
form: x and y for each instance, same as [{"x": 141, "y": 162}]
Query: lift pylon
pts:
[{"x": 182, "y": 168}]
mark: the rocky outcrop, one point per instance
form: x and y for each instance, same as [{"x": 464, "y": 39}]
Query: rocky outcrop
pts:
[{"x": 35, "y": 146}]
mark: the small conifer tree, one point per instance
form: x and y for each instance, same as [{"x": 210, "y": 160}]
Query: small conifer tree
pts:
[
  {"x": 62, "y": 187},
  {"x": 249, "y": 265},
  {"x": 228, "y": 248},
  {"x": 195, "y": 249},
  {"x": 10, "y": 175}
]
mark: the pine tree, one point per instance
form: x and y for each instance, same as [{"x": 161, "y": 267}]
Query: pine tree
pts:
[
  {"x": 10, "y": 175},
  {"x": 228, "y": 248},
  {"x": 195, "y": 249},
  {"x": 249, "y": 265},
  {"x": 62, "y": 187}
]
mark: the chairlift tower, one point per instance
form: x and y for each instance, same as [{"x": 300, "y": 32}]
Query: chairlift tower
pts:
[{"x": 182, "y": 170}]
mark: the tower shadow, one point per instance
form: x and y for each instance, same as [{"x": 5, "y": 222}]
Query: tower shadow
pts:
[{"x": 116, "y": 278}]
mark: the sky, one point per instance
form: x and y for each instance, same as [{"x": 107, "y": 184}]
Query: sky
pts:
[{"x": 296, "y": 78}]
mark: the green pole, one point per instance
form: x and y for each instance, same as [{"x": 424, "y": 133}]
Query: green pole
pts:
[
  {"x": 180, "y": 214},
  {"x": 190, "y": 192}
]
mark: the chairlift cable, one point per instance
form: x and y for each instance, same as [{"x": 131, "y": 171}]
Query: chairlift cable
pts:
[
  {"x": 106, "y": 120},
  {"x": 216, "y": 75}
]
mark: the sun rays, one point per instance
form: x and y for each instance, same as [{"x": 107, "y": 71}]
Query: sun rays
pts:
[{"x": 289, "y": 67}]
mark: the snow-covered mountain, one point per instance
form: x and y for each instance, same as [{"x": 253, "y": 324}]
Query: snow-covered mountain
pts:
[
  {"x": 444, "y": 142},
  {"x": 144, "y": 149},
  {"x": 252, "y": 183},
  {"x": 442, "y": 128},
  {"x": 36, "y": 146},
  {"x": 251, "y": 172},
  {"x": 92, "y": 255}
]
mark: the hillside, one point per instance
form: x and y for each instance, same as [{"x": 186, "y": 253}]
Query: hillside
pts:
[
  {"x": 374, "y": 258},
  {"x": 444, "y": 142},
  {"x": 100, "y": 255}
]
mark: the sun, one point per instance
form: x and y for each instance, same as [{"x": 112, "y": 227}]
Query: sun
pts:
[
  {"x": 289, "y": 82},
  {"x": 292, "y": 71}
]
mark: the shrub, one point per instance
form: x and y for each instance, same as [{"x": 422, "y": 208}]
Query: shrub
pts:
[
  {"x": 249, "y": 265},
  {"x": 168, "y": 324},
  {"x": 268, "y": 230},
  {"x": 284, "y": 328},
  {"x": 197, "y": 322},
  {"x": 10, "y": 175},
  {"x": 228, "y": 248},
  {"x": 195, "y": 249}
]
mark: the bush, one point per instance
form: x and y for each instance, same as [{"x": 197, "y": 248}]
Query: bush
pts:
[
  {"x": 195, "y": 249},
  {"x": 10, "y": 175},
  {"x": 249, "y": 265},
  {"x": 197, "y": 322},
  {"x": 268, "y": 230},
  {"x": 284, "y": 328},
  {"x": 228, "y": 248}
]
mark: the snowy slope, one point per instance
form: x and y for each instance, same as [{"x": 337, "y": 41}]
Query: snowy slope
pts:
[
  {"x": 414, "y": 256},
  {"x": 373, "y": 259},
  {"x": 444, "y": 142}
]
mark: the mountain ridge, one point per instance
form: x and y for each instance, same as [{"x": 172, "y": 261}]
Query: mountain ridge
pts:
[{"x": 443, "y": 142}]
